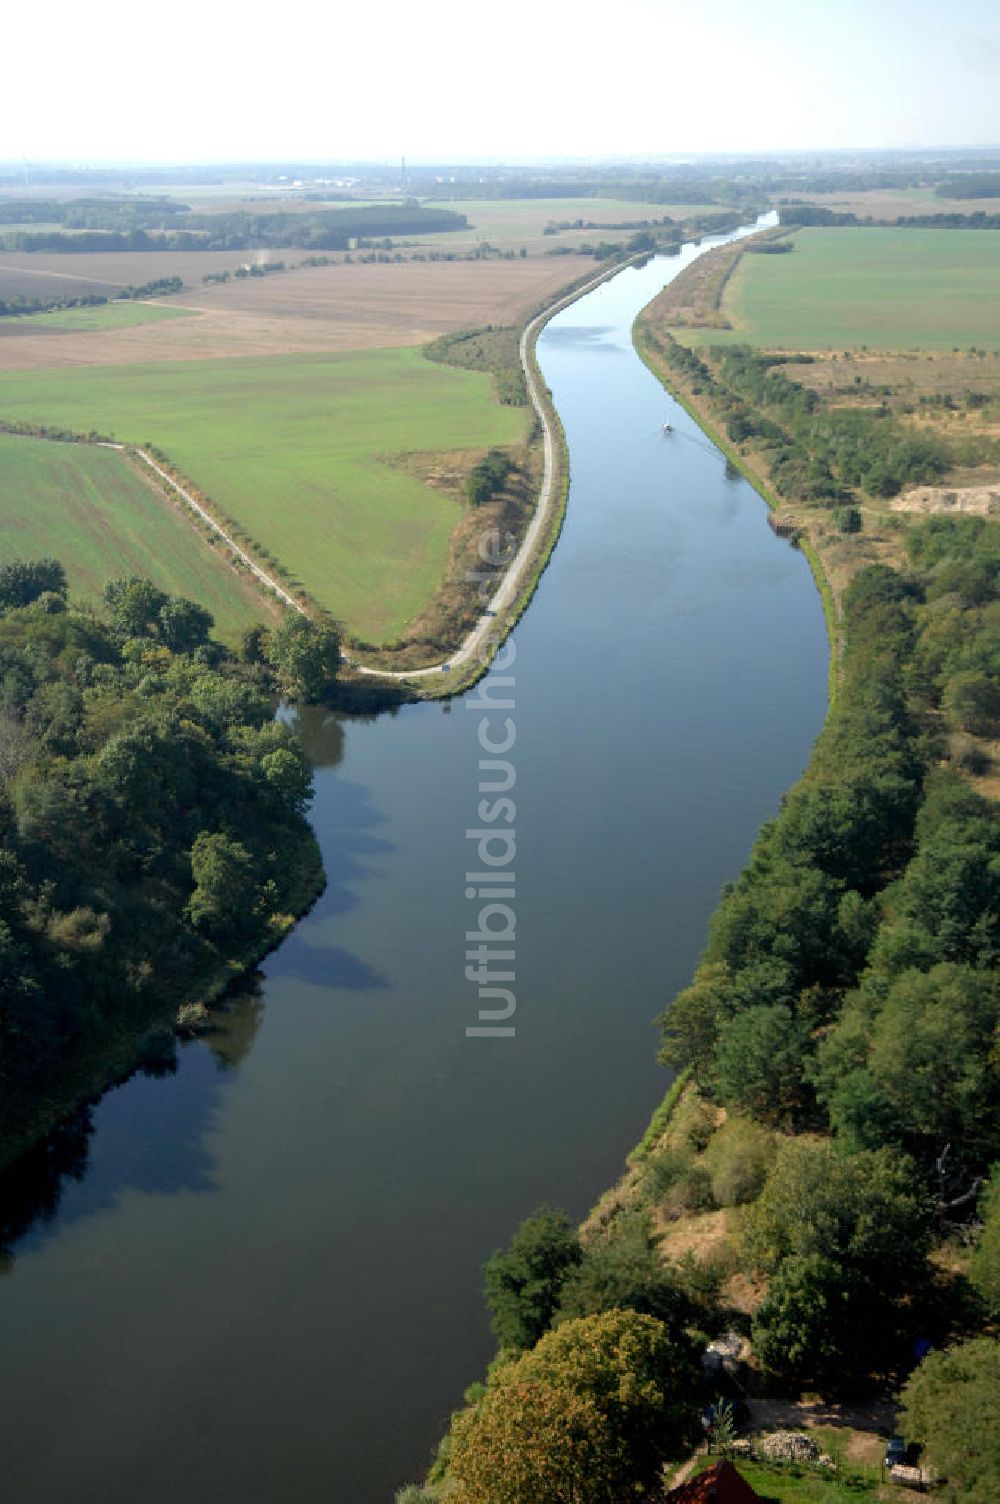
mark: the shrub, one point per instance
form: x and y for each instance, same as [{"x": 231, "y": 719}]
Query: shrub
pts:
[
  {"x": 847, "y": 520},
  {"x": 966, "y": 753},
  {"x": 691, "y": 1193},
  {"x": 737, "y": 1160},
  {"x": 664, "y": 1169}
]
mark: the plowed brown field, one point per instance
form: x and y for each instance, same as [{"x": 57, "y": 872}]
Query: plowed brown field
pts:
[{"x": 342, "y": 307}]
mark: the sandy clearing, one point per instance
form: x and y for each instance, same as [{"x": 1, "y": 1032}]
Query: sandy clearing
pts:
[{"x": 356, "y": 307}]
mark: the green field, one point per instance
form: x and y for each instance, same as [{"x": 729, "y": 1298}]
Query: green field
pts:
[
  {"x": 524, "y": 218},
  {"x": 297, "y": 449},
  {"x": 99, "y": 316},
  {"x": 885, "y": 288},
  {"x": 90, "y": 508}
]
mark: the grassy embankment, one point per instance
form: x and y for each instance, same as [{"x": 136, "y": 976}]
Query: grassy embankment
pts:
[
  {"x": 92, "y": 508},
  {"x": 485, "y": 352}
]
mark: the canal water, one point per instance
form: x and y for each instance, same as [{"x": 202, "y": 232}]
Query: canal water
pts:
[{"x": 259, "y": 1278}]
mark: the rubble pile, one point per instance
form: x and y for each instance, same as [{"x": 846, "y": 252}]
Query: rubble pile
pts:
[{"x": 788, "y": 1446}]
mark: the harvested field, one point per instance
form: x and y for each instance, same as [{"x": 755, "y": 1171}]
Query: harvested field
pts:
[
  {"x": 95, "y": 511},
  {"x": 43, "y": 274},
  {"x": 342, "y": 307}
]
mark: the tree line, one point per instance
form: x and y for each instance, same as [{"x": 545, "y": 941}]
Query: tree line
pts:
[
  {"x": 322, "y": 230},
  {"x": 802, "y": 215},
  {"x": 820, "y": 454}
]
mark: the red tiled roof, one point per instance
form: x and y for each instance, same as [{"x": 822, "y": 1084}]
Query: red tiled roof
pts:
[{"x": 720, "y": 1484}]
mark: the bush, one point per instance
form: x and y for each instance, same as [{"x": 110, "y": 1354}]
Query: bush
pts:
[
  {"x": 693, "y": 1121},
  {"x": 847, "y": 520},
  {"x": 489, "y": 477},
  {"x": 664, "y": 1169},
  {"x": 737, "y": 1160},
  {"x": 675, "y": 1183},
  {"x": 691, "y": 1193},
  {"x": 966, "y": 753}
]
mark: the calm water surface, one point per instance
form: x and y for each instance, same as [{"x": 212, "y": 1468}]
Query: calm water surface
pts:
[{"x": 261, "y": 1282}]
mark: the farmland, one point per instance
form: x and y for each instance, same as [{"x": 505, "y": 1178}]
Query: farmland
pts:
[
  {"x": 516, "y": 222},
  {"x": 296, "y": 443},
  {"x": 888, "y": 203},
  {"x": 342, "y": 307},
  {"x": 879, "y": 288},
  {"x": 298, "y": 450},
  {"x": 92, "y": 509},
  {"x": 123, "y": 315}
]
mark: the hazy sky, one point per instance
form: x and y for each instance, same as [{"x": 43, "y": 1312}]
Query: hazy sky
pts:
[{"x": 452, "y": 79}]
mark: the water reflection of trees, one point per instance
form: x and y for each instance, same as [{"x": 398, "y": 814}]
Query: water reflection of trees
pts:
[
  {"x": 235, "y": 1027},
  {"x": 33, "y": 1187},
  {"x": 320, "y": 731}
]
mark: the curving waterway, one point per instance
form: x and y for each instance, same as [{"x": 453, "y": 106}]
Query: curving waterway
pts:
[{"x": 258, "y": 1279}]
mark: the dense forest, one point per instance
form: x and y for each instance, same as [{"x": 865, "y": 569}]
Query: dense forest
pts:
[{"x": 154, "y": 839}]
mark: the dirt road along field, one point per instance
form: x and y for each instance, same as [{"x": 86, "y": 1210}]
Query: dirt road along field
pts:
[{"x": 204, "y": 516}]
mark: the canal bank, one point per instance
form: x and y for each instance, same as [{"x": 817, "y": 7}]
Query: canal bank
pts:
[{"x": 261, "y": 1274}]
